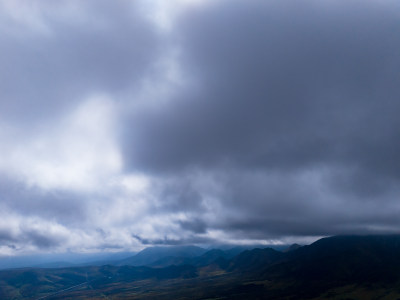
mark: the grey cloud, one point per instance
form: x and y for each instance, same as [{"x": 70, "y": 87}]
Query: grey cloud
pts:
[
  {"x": 65, "y": 207},
  {"x": 29, "y": 236},
  {"x": 282, "y": 89},
  {"x": 285, "y": 123},
  {"x": 54, "y": 57},
  {"x": 312, "y": 224},
  {"x": 39, "y": 239},
  {"x": 177, "y": 194},
  {"x": 196, "y": 226},
  {"x": 174, "y": 242},
  {"x": 6, "y": 237},
  {"x": 46, "y": 74}
]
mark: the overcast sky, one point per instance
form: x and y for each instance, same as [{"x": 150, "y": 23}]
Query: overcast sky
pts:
[{"x": 125, "y": 124}]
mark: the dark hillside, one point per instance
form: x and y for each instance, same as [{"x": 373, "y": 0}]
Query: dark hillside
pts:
[{"x": 342, "y": 267}]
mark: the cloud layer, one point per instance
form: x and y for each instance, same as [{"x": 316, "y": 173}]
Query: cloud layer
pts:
[{"x": 124, "y": 125}]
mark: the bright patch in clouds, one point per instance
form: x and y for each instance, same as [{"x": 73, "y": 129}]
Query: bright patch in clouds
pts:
[
  {"x": 78, "y": 153},
  {"x": 164, "y": 13}
]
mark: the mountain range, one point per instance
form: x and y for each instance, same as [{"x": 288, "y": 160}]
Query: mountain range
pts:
[{"x": 340, "y": 267}]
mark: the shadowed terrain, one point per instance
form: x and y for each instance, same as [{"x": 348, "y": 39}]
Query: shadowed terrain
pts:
[{"x": 342, "y": 267}]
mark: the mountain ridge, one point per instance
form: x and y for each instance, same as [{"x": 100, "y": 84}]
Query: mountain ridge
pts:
[{"x": 340, "y": 267}]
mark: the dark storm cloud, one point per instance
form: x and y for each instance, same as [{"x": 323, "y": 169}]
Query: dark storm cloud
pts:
[
  {"x": 283, "y": 89},
  {"x": 281, "y": 86}
]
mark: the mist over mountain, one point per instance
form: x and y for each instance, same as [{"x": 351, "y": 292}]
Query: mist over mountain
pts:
[
  {"x": 152, "y": 254},
  {"x": 61, "y": 259}
]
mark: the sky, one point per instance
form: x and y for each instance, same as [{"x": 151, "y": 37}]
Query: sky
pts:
[{"x": 127, "y": 124}]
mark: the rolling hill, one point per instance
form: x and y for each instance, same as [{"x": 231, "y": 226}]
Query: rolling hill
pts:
[{"x": 341, "y": 267}]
